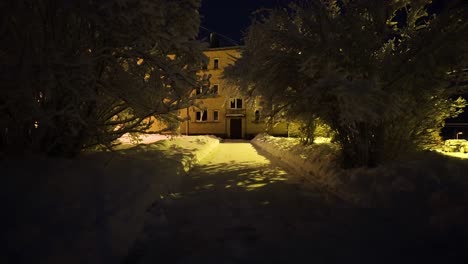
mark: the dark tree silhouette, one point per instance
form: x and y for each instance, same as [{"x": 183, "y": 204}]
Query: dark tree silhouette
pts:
[
  {"x": 76, "y": 74},
  {"x": 380, "y": 73}
]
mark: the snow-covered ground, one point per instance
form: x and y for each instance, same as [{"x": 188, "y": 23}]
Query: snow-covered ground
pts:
[
  {"x": 90, "y": 209},
  {"x": 144, "y": 138},
  {"x": 236, "y": 206},
  {"x": 239, "y": 206},
  {"x": 428, "y": 181},
  {"x": 315, "y": 163},
  {"x": 454, "y": 154}
]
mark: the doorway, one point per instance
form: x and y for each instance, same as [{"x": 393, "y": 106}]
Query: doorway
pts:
[{"x": 236, "y": 128}]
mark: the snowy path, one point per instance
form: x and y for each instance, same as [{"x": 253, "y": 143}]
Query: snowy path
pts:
[
  {"x": 238, "y": 207},
  {"x": 234, "y": 205}
]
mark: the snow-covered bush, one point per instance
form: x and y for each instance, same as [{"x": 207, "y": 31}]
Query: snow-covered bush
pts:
[
  {"x": 383, "y": 84},
  {"x": 76, "y": 73}
]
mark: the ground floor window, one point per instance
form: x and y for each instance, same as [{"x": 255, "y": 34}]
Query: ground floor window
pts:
[
  {"x": 257, "y": 115},
  {"x": 201, "y": 116},
  {"x": 215, "y": 115}
]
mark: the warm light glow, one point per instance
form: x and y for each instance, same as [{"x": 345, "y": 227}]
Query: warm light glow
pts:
[
  {"x": 454, "y": 154},
  {"x": 255, "y": 186},
  {"x": 140, "y": 61}
]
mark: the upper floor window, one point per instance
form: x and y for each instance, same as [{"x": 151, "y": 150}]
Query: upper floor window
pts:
[
  {"x": 236, "y": 103},
  {"x": 216, "y": 64},
  {"x": 201, "y": 116},
  {"x": 215, "y": 115},
  {"x": 215, "y": 88}
]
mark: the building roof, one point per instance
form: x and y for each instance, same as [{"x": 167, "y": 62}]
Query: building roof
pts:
[{"x": 224, "y": 48}]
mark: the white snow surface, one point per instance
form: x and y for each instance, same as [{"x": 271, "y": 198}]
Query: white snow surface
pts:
[
  {"x": 90, "y": 209},
  {"x": 144, "y": 138},
  {"x": 316, "y": 163},
  {"x": 423, "y": 176}
]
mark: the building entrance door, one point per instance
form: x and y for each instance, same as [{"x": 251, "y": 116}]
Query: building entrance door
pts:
[{"x": 236, "y": 128}]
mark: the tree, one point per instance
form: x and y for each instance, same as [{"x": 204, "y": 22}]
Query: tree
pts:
[
  {"x": 76, "y": 74},
  {"x": 377, "y": 72}
]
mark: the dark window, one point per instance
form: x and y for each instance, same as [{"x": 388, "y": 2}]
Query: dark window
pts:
[
  {"x": 216, "y": 64},
  {"x": 257, "y": 115},
  {"x": 239, "y": 103},
  {"x": 199, "y": 90},
  {"x": 215, "y": 89},
  {"x": 236, "y": 103},
  {"x": 215, "y": 115},
  {"x": 202, "y": 116}
]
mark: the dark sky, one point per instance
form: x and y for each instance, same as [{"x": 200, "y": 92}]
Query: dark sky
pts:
[{"x": 229, "y": 18}]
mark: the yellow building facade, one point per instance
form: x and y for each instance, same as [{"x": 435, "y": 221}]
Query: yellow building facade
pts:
[{"x": 225, "y": 113}]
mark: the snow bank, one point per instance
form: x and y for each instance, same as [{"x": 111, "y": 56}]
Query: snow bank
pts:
[
  {"x": 316, "y": 163},
  {"x": 428, "y": 184},
  {"x": 143, "y": 138},
  {"x": 90, "y": 209},
  {"x": 423, "y": 174}
]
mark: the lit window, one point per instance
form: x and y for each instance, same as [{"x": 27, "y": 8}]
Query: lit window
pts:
[
  {"x": 201, "y": 116},
  {"x": 215, "y": 115},
  {"x": 216, "y": 64}
]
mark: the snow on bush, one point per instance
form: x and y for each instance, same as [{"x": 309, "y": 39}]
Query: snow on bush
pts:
[{"x": 90, "y": 209}]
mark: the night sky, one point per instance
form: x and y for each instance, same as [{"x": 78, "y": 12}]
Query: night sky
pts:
[{"x": 230, "y": 18}]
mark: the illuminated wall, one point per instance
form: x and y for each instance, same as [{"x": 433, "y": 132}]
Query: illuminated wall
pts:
[{"x": 248, "y": 110}]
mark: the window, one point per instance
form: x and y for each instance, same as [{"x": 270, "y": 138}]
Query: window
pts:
[
  {"x": 216, "y": 64},
  {"x": 239, "y": 103},
  {"x": 201, "y": 116},
  {"x": 215, "y": 115},
  {"x": 257, "y": 115},
  {"x": 236, "y": 103},
  {"x": 215, "y": 89},
  {"x": 205, "y": 65},
  {"x": 198, "y": 90}
]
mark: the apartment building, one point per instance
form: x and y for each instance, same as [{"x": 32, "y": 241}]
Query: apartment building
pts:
[{"x": 224, "y": 113}]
